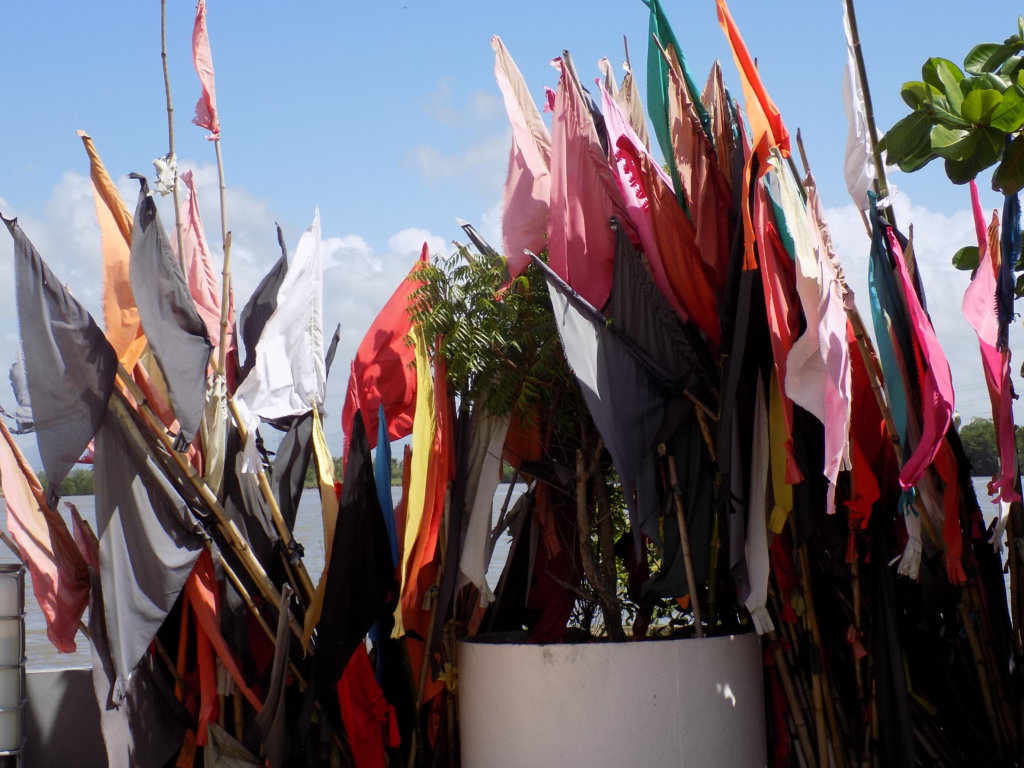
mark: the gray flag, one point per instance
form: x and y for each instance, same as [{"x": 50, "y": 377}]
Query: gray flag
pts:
[
  {"x": 173, "y": 327},
  {"x": 69, "y": 364}
]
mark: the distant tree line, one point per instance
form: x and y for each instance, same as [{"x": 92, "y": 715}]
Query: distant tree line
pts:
[
  {"x": 77, "y": 483},
  {"x": 979, "y": 441}
]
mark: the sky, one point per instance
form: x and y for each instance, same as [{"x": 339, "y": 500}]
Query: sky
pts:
[{"x": 386, "y": 116}]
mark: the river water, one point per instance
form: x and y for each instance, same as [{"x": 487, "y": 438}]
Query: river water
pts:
[{"x": 309, "y": 532}]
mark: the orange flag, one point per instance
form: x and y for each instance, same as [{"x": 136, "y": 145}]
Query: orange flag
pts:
[
  {"x": 765, "y": 119},
  {"x": 120, "y": 314}
]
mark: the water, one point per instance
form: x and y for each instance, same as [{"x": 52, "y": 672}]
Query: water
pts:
[{"x": 308, "y": 531}]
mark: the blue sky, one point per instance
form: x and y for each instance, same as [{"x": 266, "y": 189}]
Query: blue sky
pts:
[{"x": 386, "y": 115}]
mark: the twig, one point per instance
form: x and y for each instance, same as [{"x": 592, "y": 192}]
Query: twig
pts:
[{"x": 170, "y": 129}]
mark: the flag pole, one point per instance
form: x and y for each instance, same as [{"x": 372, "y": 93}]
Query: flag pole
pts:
[
  {"x": 170, "y": 130},
  {"x": 880, "y": 183}
]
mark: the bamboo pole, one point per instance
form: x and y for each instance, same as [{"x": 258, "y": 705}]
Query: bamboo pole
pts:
[
  {"x": 121, "y": 410},
  {"x": 684, "y": 539},
  {"x": 170, "y": 128}
]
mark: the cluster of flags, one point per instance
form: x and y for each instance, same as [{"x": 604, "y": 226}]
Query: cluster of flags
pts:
[{"x": 778, "y": 468}]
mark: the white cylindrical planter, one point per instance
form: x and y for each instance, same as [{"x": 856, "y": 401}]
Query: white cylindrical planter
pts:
[
  {"x": 692, "y": 703},
  {"x": 12, "y": 661}
]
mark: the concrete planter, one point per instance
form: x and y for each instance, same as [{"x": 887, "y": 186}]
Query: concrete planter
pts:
[{"x": 693, "y": 703}]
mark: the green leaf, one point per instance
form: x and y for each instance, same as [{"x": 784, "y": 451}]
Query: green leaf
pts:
[
  {"x": 1018, "y": 289},
  {"x": 1009, "y": 115},
  {"x": 988, "y": 57},
  {"x": 987, "y": 80},
  {"x": 1009, "y": 176},
  {"x": 966, "y": 258},
  {"x": 1011, "y": 67},
  {"x": 952, "y": 143},
  {"x": 979, "y": 104},
  {"x": 919, "y": 95},
  {"x": 909, "y": 137},
  {"x": 946, "y": 76},
  {"x": 985, "y": 147}
]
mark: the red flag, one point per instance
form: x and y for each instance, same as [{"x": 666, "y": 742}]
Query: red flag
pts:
[
  {"x": 206, "y": 107},
  {"x": 60, "y": 576},
  {"x": 382, "y": 372},
  {"x": 369, "y": 719}
]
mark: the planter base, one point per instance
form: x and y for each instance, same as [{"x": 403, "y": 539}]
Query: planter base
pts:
[{"x": 693, "y": 703}]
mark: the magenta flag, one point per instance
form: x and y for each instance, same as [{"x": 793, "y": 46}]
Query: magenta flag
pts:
[
  {"x": 979, "y": 308},
  {"x": 524, "y": 218},
  {"x": 584, "y": 197},
  {"x": 935, "y": 379},
  {"x": 206, "y": 107}
]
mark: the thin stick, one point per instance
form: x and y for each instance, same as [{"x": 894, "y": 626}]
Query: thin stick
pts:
[
  {"x": 881, "y": 186},
  {"x": 684, "y": 539},
  {"x": 225, "y": 298},
  {"x": 170, "y": 128}
]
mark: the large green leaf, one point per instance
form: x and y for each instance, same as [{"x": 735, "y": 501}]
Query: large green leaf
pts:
[
  {"x": 920, "y": 95},
  {"x": 1009, "y": 176},
  {"x": 985, "y": 146},
  {"x": 952, "y": 143},
  {"x": 979, "y": 104},
  {"x": 946, "y": 76},
  {"x": 966, "y": 258},
  {"x": 988, "y": 57},
  {"x": 1009, "y": 115},
  {"x": 909, "y": 137}
]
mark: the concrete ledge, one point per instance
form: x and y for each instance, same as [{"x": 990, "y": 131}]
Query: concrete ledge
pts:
[{"x": 62, "y": 721}]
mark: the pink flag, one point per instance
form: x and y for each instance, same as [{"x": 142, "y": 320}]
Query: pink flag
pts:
[
  {"x": 979, "y": 309},
  {"x": 206, "y": 107},
  {"x": 60, "y": 576},
  {"x": 934, "y": 377},
  {"x": 524, "y": 219},
  {"x": 203, "y": 283},
  {"x": 584, "y": 196}
]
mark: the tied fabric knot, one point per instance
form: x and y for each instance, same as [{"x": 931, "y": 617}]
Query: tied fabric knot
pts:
[
  {"x": 853, "y": 637},
  {"x": 450, "y": 677}
]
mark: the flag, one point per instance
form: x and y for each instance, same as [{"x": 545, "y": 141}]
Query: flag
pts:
[
  {"x": 60, "y": 575},
  {"x": 382, "y": 374},
  {"x": 701, "y": 180},
  {"x": 85, "y": 537},
  {"x": 483, "y": 472},
  {"x": 370, "y": 721},
  {"x": 524, "y": 218},
  {"x": 626, "y": 409},
  {"x": 289, "y": 376},
  {"x": 174, "y": 328},
  {"x": 979, "y": 310},
  {"x": 324, "y": 470},
  {"x": 765, "y": 120},
  {"x": 69, "y": 364},
  {"x": 203, "y": 283},
  {"x": 120, "y": 314},
  {"x": 271, "y": 721},
  {"x": 817, "y": 374},
  {"x": 360, "y": 576},
  {"x": 149, "y": 542},
  {"x": 584, "y": 196},
  {"x": 260, "y": 307},
  {"x": 658, "y": 85},
  {"x": 23, "y": 423},
  {"x": 202, "y": 59},
  {"x": 859, "y": 164}
]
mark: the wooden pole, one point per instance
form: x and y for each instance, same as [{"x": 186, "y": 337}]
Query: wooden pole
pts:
[
  {"x": 121, "y": 411},
  {"x": 170, "y": 128},
  {"x": 684, "y": 539}
]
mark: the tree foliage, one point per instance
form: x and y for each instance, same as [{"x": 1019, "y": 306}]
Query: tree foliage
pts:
[
  {"x": 979, "y": 441},
  {"x": 971, "y": 118}
]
